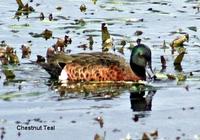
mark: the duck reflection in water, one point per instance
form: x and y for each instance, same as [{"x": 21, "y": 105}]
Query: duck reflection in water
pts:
[{"x": 140, "y": 102}]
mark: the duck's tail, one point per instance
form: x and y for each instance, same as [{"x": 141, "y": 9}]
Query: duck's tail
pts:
[
  {"x": 53, "y": 70},
  {"x": 56, "y": 63}
]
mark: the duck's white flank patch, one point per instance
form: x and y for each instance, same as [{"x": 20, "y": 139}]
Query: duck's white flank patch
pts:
[{"x": 63, "y": 76}]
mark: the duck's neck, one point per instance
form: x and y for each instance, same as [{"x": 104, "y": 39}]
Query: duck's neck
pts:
[{"x": 138, "y": 70}]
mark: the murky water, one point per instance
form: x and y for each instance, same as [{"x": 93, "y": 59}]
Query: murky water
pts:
[{"x": 172, "y": 108}]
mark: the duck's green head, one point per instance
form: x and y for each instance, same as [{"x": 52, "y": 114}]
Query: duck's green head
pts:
[{"x": 140, "y": 58}]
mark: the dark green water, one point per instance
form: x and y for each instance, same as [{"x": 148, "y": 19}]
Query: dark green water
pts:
[{"x": 173, "y": 110}]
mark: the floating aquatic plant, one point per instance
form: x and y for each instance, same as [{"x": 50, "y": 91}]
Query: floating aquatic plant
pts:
[
  {"x": 26, "y": 51},
  {"x": 8, "y": 56},
  {"x": 23, "y": 8},
  {"x": 149, "y": 136},
  {"x": 9, "y": 73},
  {"x": 179, "y": 58},
  {"x": 83, "y": 8},
  {"x": 178, "y": 42},
  {"x": 107, "y": 42},
  {"x": 94, "y": 1},
  {"x": 46, "y": 34}
]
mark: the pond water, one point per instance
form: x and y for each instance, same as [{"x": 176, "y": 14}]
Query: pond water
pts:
[{"x": 172, "y": 108}]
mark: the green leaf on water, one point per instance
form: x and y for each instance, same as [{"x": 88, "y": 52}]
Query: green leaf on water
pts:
[
  {"x": 178, "y": 42},
  {"x": 107, "y": 41},
  {"x": 20, "y": 26},
  {"x": 9, "y": 74},
  {"x": 13, "y": 58},
  {"x": 179, "y": 59},
  {"x": 9, "y": 95},
  {"x": 181, "y": 77},
  {"x": 20, "y": 4}
]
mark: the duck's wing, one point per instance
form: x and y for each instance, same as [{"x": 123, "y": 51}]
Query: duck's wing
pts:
[
  {"x": 98, "y": 58},
  {"x": 60, "y": 58},
  {"x": 58, "y": 61}
]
